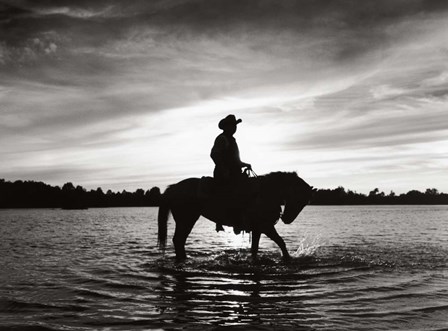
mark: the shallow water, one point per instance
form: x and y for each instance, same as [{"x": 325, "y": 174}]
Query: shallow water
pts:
[{"x": 354, "y": 268}]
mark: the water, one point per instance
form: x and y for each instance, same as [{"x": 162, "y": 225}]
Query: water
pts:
[{"x": 353, "y": 268}]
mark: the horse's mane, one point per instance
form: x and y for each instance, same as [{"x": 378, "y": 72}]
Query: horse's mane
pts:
[
  {"x": 280, "y": 174},
  {"x": 278, "y": 180}
]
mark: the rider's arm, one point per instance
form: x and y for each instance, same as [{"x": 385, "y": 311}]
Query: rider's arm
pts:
[{"x": 242, "y": 164}]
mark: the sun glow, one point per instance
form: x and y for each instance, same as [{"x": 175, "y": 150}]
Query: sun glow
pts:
[
  {"x": 182, "y": 138},
  {"x": 235, "y": 241}
]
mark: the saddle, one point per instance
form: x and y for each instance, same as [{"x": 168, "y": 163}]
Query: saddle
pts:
[
  {"x": 228, "y": 203},
  {"x": 208, "y": 189}
]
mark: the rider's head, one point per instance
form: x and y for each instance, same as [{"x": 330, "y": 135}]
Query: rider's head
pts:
[{"x": 229, "y": 123}]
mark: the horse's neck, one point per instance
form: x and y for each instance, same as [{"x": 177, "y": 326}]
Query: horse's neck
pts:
[{"x": 270, "y": 192}]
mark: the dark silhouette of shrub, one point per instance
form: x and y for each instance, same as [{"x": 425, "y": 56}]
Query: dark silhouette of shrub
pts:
[{"x": 31, "y": 194}]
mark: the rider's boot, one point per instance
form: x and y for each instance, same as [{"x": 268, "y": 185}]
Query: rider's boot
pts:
[{"x": 241, "y": 224}]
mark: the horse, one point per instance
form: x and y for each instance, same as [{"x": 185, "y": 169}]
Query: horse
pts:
[{"x": 256, "y": 210}]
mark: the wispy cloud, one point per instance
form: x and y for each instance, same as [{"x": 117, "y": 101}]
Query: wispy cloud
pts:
[{"x": 107, "y": 91}]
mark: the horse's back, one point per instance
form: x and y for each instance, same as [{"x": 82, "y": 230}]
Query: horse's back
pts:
[
  {"x": 183, "y": 191},
  {"x": 207, "y": 192}
]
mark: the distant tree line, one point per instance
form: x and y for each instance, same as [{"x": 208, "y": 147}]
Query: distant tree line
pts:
[
  {"x": 31, "y": 194},
  {"x": 340, "y": 196}
]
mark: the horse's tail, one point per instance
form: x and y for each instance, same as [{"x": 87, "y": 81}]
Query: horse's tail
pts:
[{"x": 162, "y": 219}]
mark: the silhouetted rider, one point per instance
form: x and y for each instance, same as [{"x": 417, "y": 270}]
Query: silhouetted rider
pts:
[{"x": 225, "y": 153}]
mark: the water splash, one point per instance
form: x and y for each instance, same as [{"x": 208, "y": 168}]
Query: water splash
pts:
[
  {"x": 240, "y": 241},
  {"x": 308, "y": 246}
]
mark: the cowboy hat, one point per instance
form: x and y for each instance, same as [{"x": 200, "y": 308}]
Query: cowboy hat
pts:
[{"x": 228, "y": 120}]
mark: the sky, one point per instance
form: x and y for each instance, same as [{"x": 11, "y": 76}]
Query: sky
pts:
[{"x": 128, "y": 94}]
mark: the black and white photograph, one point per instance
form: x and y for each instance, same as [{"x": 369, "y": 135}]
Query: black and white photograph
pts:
[{"x": 223, "y": 165}]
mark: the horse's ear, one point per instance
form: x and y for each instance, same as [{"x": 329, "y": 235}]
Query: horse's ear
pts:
[{"x": 314, "y": 189}]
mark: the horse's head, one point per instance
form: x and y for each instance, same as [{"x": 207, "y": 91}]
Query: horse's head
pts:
[{"x": 297, "y": 195}]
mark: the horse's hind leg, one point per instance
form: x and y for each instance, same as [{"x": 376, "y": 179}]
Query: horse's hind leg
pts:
[
  {"x": 184, "y": 224},
  {"x": 273, "y": 235},
  {"x": 183, "y": 229}
]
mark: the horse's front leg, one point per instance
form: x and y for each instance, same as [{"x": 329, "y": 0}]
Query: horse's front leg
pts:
[
  {"x": 273, "y": 235},
  {"x": 256, "y": 234}
]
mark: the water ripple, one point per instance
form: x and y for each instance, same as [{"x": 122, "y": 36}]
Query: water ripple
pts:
[{"x": 100, "y": 269}]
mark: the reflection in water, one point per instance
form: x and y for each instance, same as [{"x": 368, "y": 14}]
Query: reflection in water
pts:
[
  {"x": 353, "y": 268},
  {"x": 231, "y": 290}
]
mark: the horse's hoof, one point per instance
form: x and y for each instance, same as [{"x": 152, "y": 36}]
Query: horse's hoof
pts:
[{"x": 180, "y": 259}]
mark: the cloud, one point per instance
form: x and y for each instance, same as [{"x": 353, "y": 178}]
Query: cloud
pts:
[
  {"x": 440, "y": 79},
  {"x": 385, "y": 91},
  {"x": 31, "y": 52},
  {"x": 107, "y": 81},
  {"x": 83, "y": 13}
]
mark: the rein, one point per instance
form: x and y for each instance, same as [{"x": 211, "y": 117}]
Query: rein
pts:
[{"x": 250, "y": 173}]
